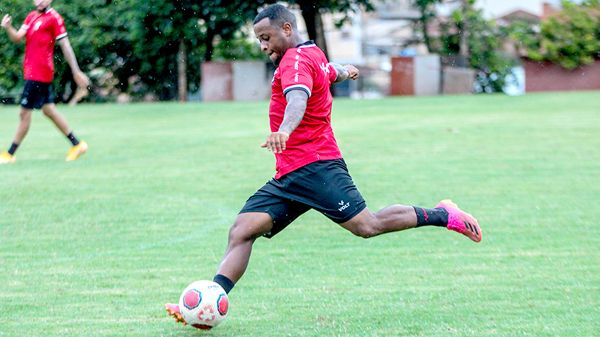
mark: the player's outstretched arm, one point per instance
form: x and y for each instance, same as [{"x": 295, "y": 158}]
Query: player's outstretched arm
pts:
[
  {"x": 294, "y": 112},
  {"x": 345, "y": 72},
  {"x": 80, "y": 78},
  {"x": 14, "y": 35}
]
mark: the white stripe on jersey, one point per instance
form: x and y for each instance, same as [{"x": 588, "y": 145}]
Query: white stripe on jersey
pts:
[{"x": 297, "y": 86}]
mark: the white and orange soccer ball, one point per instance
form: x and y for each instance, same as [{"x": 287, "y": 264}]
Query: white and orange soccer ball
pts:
[{"x": 204, "y": 304}]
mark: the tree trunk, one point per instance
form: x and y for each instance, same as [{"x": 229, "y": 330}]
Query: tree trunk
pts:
[
  {"x": 208, "y": 43},
  {"x": 182, "y": 72},
  {"x": 314, "y": 24},
  {"x": 464, "y": 35},
  {"x": 424, "y": 21}
]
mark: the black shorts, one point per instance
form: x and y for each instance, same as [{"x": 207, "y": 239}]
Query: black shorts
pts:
[
  {"x": 36, "y": 94},
  {"x": 324, "y": 185}
]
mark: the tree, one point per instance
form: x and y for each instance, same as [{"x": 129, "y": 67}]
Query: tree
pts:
[
  {"x": 312, "y": 10},
  {"x": 570, "y": 39},
  {"x": 11, "y": 65},
  {"x": 483, "y": 46},
  {"x": 427, "y": 12},
  {"x": 101, "y": 40}
]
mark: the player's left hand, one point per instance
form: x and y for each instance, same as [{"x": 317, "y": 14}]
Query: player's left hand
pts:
[
  {"x": 81, "y": 79},
  {"x": 276, "y": 141},
  {"x": 352, "y": 71}
]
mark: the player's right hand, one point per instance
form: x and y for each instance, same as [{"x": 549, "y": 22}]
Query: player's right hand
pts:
[
  {"x": 6, "y": 21},
  {"x": 81, "y": 79},
  {"x": 276, "y": 141}
]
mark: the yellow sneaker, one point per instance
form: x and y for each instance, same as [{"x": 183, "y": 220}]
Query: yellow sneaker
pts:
[
  {"x": 76, "y": 151},
  {"x": 7, "y": 158}
]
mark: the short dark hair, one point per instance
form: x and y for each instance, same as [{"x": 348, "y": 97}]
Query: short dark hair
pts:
[{"x": 277, "y": 15}]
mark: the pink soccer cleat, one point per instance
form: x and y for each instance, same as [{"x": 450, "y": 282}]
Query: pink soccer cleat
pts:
[
  {"x": 173, "y": 310},
  {"x": 460, "y": 221}
]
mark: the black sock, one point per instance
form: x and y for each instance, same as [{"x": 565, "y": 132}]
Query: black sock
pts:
[
  {"x": 13, "y": 148},
  {"x": 224, "y": 282},
  {"x": 431, "y": 216},
  {"x": 73, "y": 139}
]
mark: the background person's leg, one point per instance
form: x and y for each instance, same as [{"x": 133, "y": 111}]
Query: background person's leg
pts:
[{"x": 58, "y": 119}]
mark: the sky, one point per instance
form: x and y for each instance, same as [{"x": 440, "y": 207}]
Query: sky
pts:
[{"x": 495, "y": 8}]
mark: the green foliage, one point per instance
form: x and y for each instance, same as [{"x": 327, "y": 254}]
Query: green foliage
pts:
[
  {"x": 11, "y": 57},
  {"x": 427, "y": 10},
  {"x": 117, "y": 41},
  {"x": 572, "y": 38},
  {"x": 485, "y": 48},
  {"x": 238, "y": 47}
]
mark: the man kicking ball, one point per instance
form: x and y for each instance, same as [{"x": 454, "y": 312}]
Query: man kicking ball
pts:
[{"x": 310, "y": 171}]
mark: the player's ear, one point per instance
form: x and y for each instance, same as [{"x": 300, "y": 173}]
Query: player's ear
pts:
[{"x": 287, "y": 29}]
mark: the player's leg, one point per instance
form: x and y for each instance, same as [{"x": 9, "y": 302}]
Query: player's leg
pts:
[
  {"x": 78, "y": 147},
  {"x": 22, "y": 129},
  {"x": 245, "y": 230},
  {"x": 31, "y": 98},
  {"x": 265, "y": 213},
  {"x": 327, "y": 187},
  {"x": 399, "y": 217},
  {"x": 393, "y": 218}
]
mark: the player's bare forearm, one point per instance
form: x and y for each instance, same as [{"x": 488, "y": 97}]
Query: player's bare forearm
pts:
[
  {"x": 69, "y": 54},
  {"x": 14, "y": 35},
  {"x": 294, "y": 111},
  {"x": 80, "y": 78},
  {"x": 344, "y": 72}
]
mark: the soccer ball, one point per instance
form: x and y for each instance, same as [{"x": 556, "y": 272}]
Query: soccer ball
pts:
[{"x": 203, "y": 304}]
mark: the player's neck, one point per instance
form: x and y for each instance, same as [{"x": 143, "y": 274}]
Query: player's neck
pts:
[{"x": 296, "y": 40}]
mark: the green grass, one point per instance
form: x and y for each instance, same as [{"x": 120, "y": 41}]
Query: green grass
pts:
[{"x": 95, "y": 247}]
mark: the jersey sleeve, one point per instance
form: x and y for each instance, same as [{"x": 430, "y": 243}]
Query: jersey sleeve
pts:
[
  {"x": 296, "y": 73},
  {"x": 59, "y": 30},
  {"x": 332, "y": 73},
  {"x": 27, "y": 22}
]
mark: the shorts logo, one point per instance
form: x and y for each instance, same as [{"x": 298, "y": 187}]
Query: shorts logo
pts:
[
  {"x": 24, "y": 101},
  {"x": 344, "y": 205}
]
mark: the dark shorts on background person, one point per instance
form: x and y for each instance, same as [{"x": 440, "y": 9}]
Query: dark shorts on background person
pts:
[
  {"x": 36, "y": 94},
  {"x": 325, "y": 186}
]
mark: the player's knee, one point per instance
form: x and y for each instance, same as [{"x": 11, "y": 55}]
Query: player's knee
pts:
[
  {"x": 241, "y": 232},
  {"x": 366, "y": 229},
  {"x": 48, "y": 112},
  {"x": 25, "y": 116}
]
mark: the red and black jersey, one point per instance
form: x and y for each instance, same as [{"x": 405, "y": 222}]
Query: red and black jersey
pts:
[
  {"x": 304, "y": 68},
  {"x": 43, "y": 30}
]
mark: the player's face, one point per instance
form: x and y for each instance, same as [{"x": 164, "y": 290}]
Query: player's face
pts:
[
  {"x": 41, "y": 5},
  {"x": 274, "y": 41}
]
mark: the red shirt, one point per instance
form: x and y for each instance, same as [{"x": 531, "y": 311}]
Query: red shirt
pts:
[
  {"x": 43, "y": 30},
  {"x": 304, "y": 68}
]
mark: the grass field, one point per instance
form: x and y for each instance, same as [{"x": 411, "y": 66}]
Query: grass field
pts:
[{"x": 95, "y": 247}]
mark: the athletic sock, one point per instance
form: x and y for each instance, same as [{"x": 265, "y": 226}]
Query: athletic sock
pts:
[
  {"x": 224, "y": 282},
  {"x": 73, "y": 139},
  {"x": 13, "y": 148},
  {"x": 431, "y": 216}
]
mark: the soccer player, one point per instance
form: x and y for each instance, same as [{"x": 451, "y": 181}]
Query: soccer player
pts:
[
  {"x": 41, "y": 29},
  {"x": 310, "y": 171}
]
